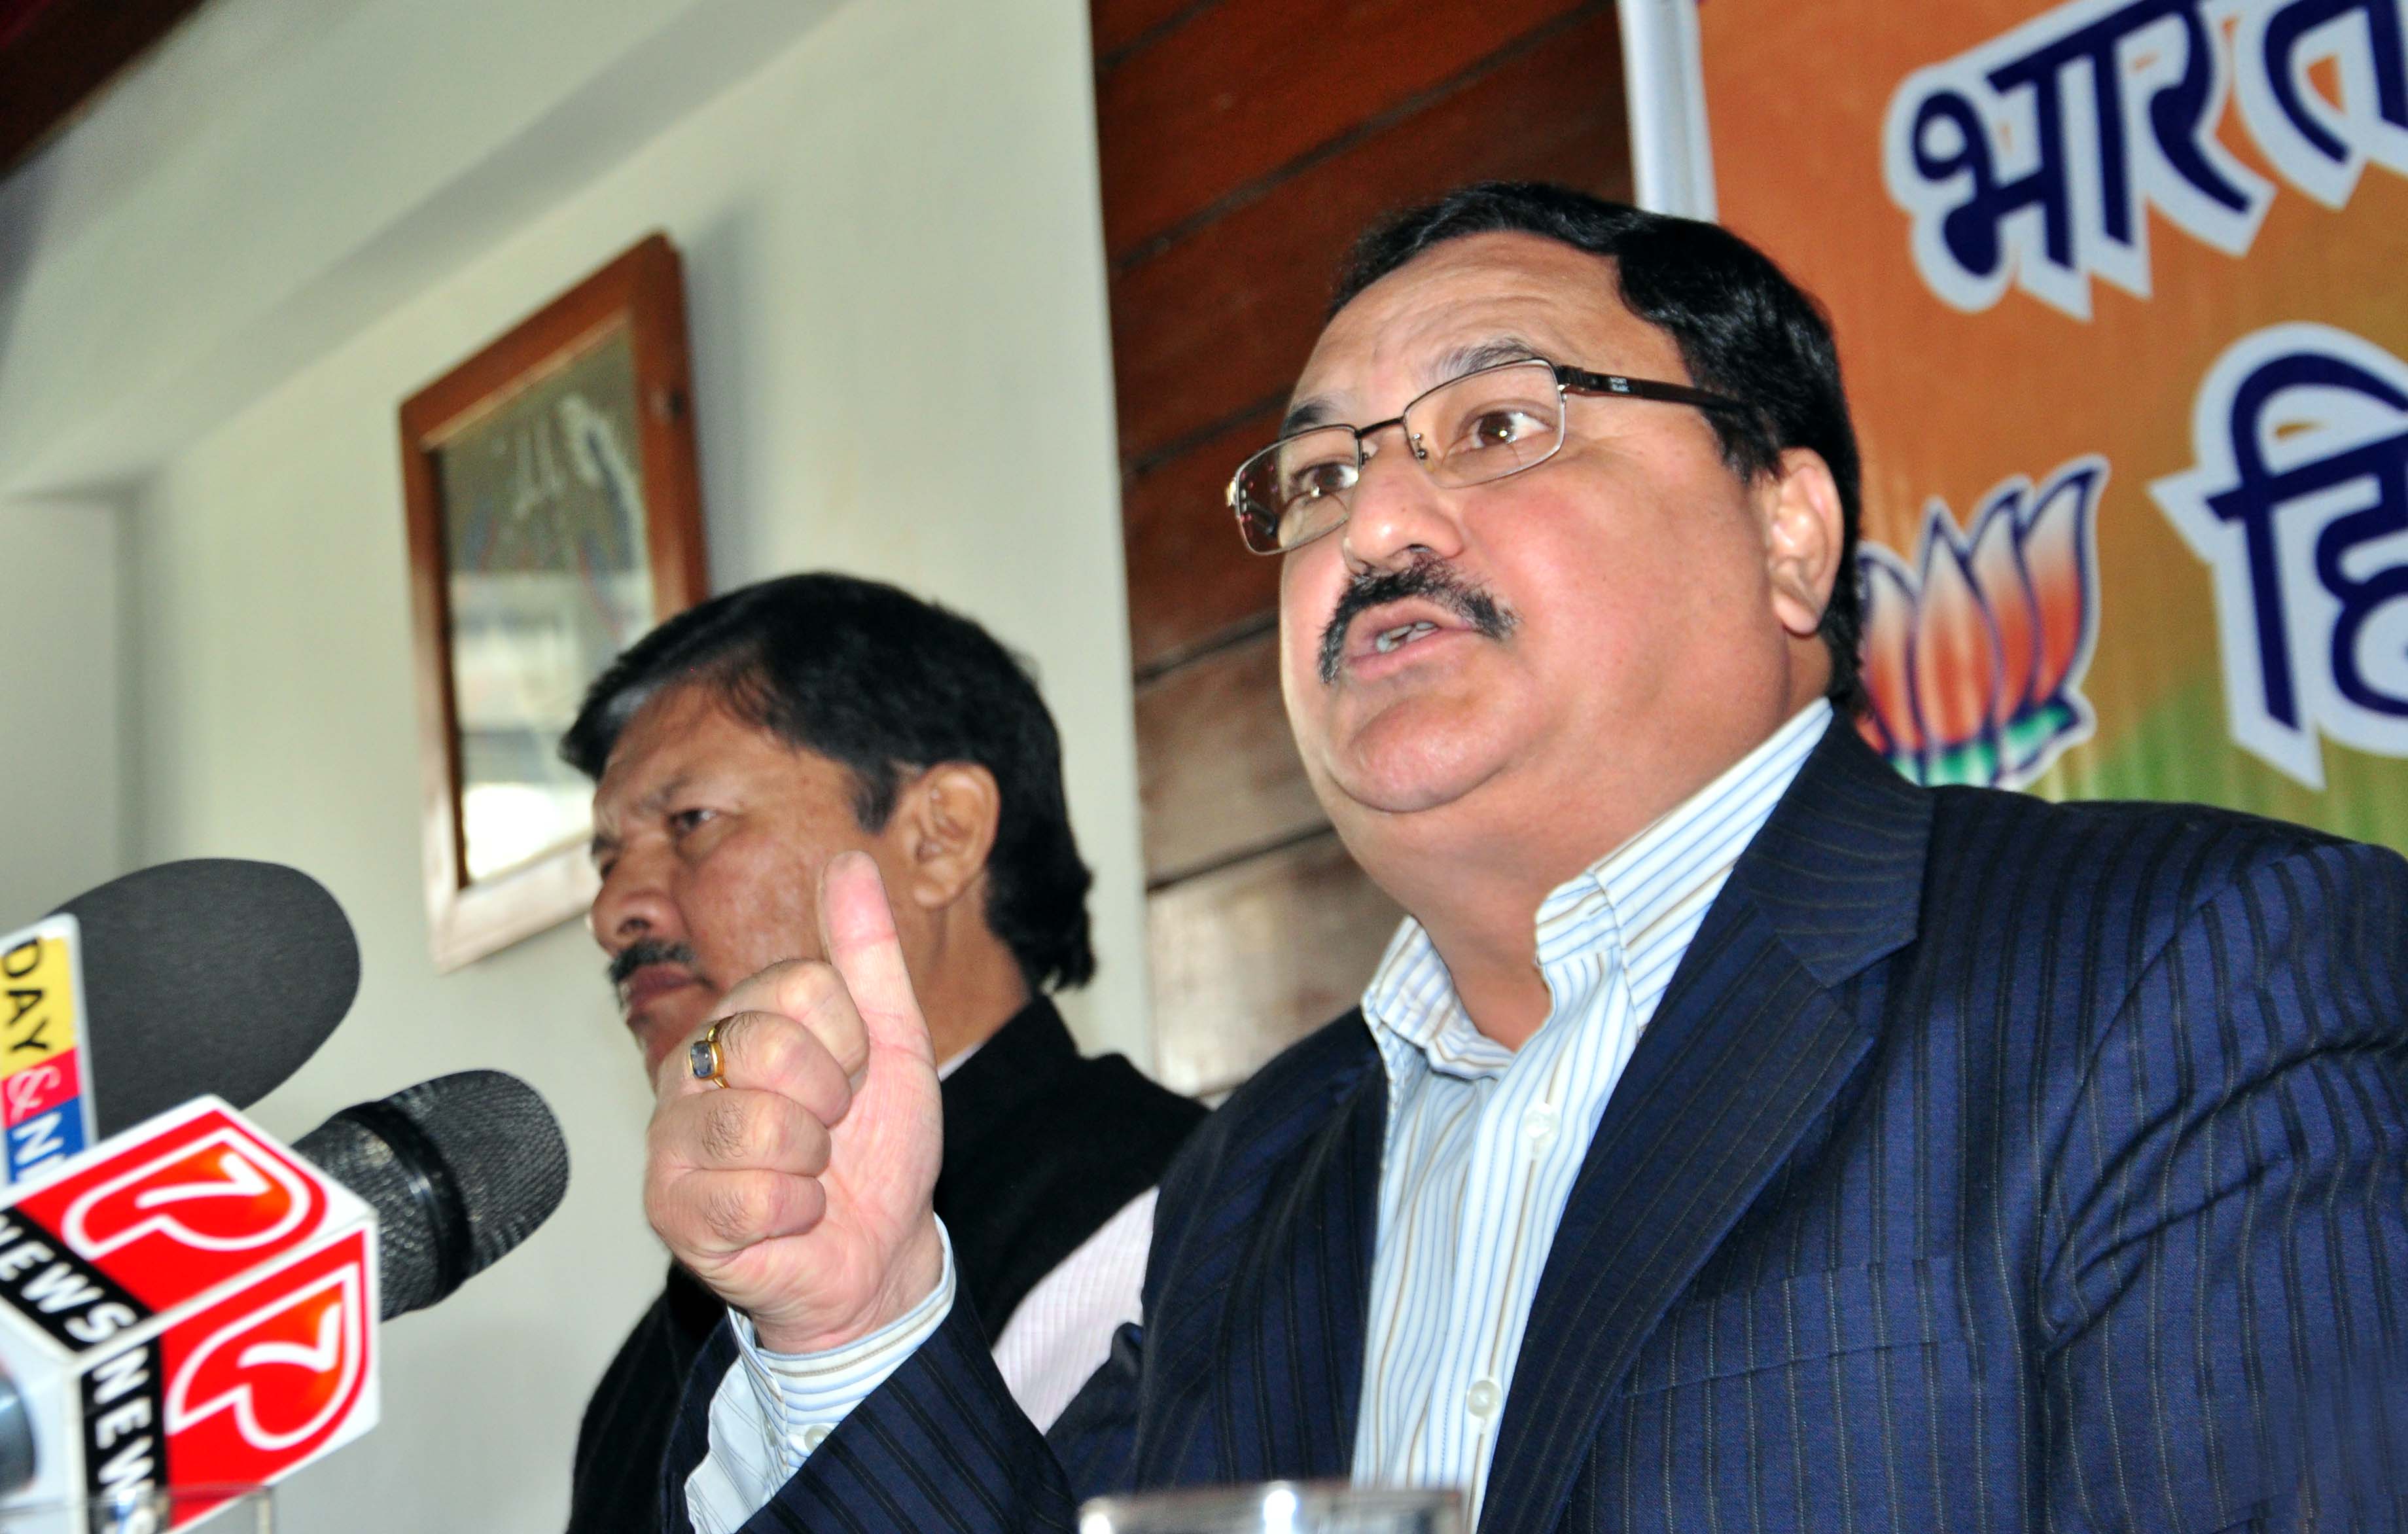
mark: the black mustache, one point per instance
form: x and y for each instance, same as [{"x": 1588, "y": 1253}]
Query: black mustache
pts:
[
  {"x": 644, "y": 950},
  {"x": 1432, "y": 579}
]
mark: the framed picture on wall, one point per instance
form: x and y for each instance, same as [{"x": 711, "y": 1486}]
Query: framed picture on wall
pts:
[{"x": 555, "y": 517}]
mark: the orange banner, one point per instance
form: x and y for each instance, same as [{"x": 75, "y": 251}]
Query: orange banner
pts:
[{"x": 2121, "y": 288}]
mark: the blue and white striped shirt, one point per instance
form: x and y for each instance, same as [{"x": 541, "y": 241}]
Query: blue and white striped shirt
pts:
[{"x": 1483, "y": 1143}]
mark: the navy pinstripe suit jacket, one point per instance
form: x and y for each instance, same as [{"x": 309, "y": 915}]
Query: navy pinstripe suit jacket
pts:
[{"x": 1989, "y": 1165}]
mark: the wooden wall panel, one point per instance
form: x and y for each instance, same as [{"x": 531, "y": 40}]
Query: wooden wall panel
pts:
[
  {"x": 1250, "y": 86},
  {"x": 1250, "y": 958},
  {"x": 1219, "y": 323},
  {"x": 1121, "y": 26},
  {"x": 1191, "y": 583},
  {"x": 1244, "y": 144},
  {"x": 1217, "y": 769}
]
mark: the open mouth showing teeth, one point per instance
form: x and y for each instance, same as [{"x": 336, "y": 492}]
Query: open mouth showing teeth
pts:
[{"x": 1403, "y": 634}]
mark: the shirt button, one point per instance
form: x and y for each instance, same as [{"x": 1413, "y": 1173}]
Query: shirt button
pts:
[
  {"x": 1539, "y": 1126},
  {"x": 813, "y": 1435},
  {"x": 1482, "y": 1399}
]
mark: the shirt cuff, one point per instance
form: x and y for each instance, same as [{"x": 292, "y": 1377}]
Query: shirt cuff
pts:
[
  {"x": 763, "y": 1429},
  {"x": 803, "y": 1396}
]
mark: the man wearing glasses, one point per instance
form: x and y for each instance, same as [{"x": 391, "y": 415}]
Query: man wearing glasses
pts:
[{"x": 1736, "y": 1136}]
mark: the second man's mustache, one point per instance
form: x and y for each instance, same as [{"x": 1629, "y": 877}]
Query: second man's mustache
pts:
[{"x": 1431, "y": 578}]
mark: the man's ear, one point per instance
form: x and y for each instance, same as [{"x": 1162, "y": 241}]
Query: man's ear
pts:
[
  {"x": 945, "y": 826},
  {"x": 1803, "y": 533}
]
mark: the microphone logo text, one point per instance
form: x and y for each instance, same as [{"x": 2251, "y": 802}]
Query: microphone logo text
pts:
[
  {"x": 217, "y": 1195},
  {"x": 271, "y": 1372}
]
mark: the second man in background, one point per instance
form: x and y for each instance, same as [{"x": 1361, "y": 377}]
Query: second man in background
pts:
[{"x": 738, "y": 748}]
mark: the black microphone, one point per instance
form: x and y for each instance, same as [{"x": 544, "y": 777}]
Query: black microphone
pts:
[
  {"x": 217, "y": 974},
  {"x": 459, "y": 1171}
]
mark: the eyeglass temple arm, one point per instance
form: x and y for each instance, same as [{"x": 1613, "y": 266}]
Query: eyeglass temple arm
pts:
[{"x": 1670, "y": 393}]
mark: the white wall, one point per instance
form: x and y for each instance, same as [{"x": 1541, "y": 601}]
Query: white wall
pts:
[
  {"x": 60, "y": 789},
  {"x": 278, "y": 171},
  {"x": 895, "y": 278}
]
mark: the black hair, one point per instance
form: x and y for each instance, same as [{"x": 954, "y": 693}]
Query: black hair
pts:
[
  {"x": 1743, "y": 329},
  {"x": 885, "y": 685}
]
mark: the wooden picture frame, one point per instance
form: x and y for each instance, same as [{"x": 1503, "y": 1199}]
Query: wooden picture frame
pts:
[{"x": 556, "y": 516}]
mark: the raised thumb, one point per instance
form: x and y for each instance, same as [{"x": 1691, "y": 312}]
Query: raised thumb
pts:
[{"x": 857, "y": 934}]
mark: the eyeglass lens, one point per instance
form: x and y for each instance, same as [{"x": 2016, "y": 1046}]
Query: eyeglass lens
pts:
[{"x": 1482, "y": 426}]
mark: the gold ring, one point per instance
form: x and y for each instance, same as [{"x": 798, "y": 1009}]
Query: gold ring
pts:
[{"x": 703, "y": 1056}]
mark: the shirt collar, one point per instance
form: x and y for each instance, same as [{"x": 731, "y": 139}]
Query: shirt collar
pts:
[
  {"x": 950, "y": 1063},
  {"x": 1640, "y": 903}
]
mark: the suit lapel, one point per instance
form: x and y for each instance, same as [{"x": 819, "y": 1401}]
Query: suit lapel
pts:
[
  {"x": 1762, "y": 1024},
  {"x": 1292, "y": 1348}
]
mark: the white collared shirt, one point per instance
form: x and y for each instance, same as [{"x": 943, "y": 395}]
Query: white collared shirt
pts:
[
  {"x": 1481, "y": 1148},
  {"x": 1483, "y": 1143}
]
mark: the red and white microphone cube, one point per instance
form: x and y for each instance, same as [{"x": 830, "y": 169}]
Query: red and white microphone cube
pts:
[{"x": 188, "y": 1303}]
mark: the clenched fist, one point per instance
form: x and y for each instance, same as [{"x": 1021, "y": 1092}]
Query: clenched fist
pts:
[{"x": 801, "y": 1192}]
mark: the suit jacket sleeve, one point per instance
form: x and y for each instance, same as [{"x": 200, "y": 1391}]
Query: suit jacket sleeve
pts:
[
  {"x": 2225, "y": 1219},
  {"x": 939, "y": 1446}
]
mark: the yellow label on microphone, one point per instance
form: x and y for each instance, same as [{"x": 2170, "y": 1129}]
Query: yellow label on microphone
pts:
[{"x": 46, "y": 1108}]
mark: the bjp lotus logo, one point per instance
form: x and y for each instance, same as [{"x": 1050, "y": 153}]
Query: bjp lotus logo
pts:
[{"x": 1974, "y": 655}]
